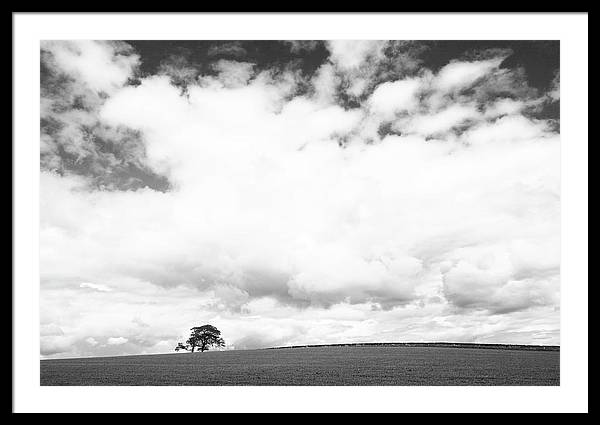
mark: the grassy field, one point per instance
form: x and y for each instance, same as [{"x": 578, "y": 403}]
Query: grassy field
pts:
[{"x": 378, "y": 365}]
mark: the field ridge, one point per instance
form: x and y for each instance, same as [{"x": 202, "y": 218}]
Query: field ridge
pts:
[{"x": 494, "y": 346}]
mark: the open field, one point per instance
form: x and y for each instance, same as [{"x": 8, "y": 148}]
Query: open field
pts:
[{"x": 332, "y": 365}]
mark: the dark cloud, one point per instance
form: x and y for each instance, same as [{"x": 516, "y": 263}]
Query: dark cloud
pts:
[
  {"x": 73, "y": 139},
  {"x": 201, "y": 53}
]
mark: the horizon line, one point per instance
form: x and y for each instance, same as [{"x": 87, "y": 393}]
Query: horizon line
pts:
[{"x": 349, "y": 344}]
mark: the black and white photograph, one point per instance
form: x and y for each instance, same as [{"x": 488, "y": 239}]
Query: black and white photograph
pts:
[{"x": 310, "y": 212}]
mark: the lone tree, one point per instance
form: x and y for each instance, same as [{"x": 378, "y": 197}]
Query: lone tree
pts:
[{"x": 202, "y": 337}]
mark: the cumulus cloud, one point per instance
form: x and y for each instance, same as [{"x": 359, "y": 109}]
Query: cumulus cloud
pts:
[
  {"x": 233, "y": 73},
  {"x": 102, "y": 66},
  {"x": 349, "y": 54},
  {"x": 361, "y": 65},
  {"x": 116, "y": 340},
  {"x": 393, "y": 97},
  {"x": 92, "y": 341},
  {"x": 460, "y": 75},
  {"x": 291, "y": 218}
]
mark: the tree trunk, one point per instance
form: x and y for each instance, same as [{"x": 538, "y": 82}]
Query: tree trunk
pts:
[{"x": 193, "y": 347}]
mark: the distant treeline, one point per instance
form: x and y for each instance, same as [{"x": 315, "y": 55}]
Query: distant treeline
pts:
[{"x": 434, "y": 344}]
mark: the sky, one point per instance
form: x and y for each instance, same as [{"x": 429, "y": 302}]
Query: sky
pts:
[{"x": 298, "y": 192}]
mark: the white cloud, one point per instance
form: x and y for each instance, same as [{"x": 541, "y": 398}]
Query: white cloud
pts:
[
  {"x": 490, "y": 277},
  {"x": 392, "y": 97},
  {"x": 504, "y": 107},
  {"x": 356, "y": 63},
  {"x": 116, "y": 340},
  {"x": 276, "y": 235},
  {"x": 51, "y": 329},
  {"x": 460, "y": 75},
  {"x": 325, "y": 82},
  {"x": 231, "y": 73},
  {"x": 52, "y": 345},
  {"x": 554, "y": 93},
  {"x": 357, "y": 86},
  {"x": 102, "y": 66},
  {"x": 350, "y": 54},
  {"x": 95, "y": 286},
  {"x": 506, "y": 129},
  {"x": 440, "y": 122}
]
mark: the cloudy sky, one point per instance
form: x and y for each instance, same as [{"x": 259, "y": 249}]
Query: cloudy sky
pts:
[{"x": 298, "y": 192}]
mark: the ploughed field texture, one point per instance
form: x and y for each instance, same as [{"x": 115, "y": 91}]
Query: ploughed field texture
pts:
[{"x": 376, "y": 365}]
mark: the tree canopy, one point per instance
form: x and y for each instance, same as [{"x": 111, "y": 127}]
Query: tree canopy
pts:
[{"x": 202, "y": 338}]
